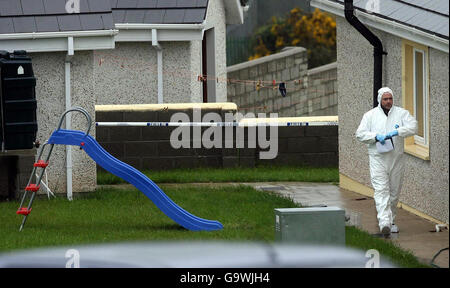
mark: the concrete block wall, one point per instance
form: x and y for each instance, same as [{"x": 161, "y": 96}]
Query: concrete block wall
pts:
[
  {"x": 309, "y": 92},
  {"x": 149, "y": 148},
  {"x": 323, "y": 91}
]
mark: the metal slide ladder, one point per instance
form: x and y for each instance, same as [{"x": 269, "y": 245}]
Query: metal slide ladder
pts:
[{"x": 33, "y": 188}]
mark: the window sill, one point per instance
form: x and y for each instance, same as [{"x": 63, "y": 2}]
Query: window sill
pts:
[{"x": 418, "y": 151}]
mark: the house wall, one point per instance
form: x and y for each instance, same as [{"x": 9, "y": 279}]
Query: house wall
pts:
[
  {"x": 50, "y": 95},
  {"x": 423, "y": 188},
  {"x": 215, "y": 17},
  {"x": 128, "y": 74}
]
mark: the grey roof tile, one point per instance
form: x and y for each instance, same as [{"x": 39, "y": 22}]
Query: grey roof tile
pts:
[
  {"x": 404, "y": 14},
  {"x": 443, "y": 29},
  {"x": 55, "y": 7},
  {"x": 174, "y": 16},
  {"x": 51, "y": 16},
  {"x": 147, "y": 3},
  {"x": 167, "y": 4},
  {"x": 113, "y": 3},
  {"x": 126, "y": 4},
  {"x": 6, "y": 25},
  {"x": 186, "y": 3},
  {"x": 99, "y": 5},
  {"x": 10, "y": 8},
  {"x": 108, "y": 22},
  {"x": 194, "y": 15},
  {"x": 159, "y": 11},
  {"x": 33, "y": 7},
  {"x": 118, "y": 16},
  {"x": 84, "y": 6},
  {"x": 154, "y": 16},
  {"x": 46, "y": 24},
  {"x": 202, "y": 3},
  {"x": 425, "y": 15},
  {"x": 134, "y": 16},
  {"x": 69, "y": 22},
  {"x": 438, "y": 6},
  {"x": 24, "y": 24},
  {"x": 91, "y": 22}
]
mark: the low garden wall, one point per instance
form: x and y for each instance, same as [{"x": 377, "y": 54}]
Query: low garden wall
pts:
[{"x": 149, "y": 148}]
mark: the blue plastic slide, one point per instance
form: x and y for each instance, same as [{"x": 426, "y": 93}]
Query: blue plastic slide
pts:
[{"x": 135, "y": 177}]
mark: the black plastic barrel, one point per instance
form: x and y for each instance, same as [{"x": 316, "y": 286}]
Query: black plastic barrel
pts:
[{"x": 18, "y": 101}]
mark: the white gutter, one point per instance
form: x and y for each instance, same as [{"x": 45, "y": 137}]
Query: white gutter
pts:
[
  {"x": 69, "y": 56},
  {"x": 160, "y": 65},
  {"x": 392, "y": 27},
  {"x": 49, "y": 35},
  {"x": 166, "y": 32}
]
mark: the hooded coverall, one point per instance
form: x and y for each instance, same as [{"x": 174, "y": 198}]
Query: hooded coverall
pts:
[{"x": 386, "y": 169}]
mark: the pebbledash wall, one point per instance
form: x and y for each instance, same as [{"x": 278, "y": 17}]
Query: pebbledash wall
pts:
[
  {"x": 149, "y": 147},
  {"x": 50, "y": 91},
  {"x": 128, "y": 74},
  {"x": 309, "y": 92},
  {"x": 426, "y": 183}
]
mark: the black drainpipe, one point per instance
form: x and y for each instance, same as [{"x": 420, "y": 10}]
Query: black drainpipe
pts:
[{"x": 377, "y": 48}]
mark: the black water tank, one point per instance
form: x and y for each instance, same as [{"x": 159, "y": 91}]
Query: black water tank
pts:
[{"x": 18, "y": 101}]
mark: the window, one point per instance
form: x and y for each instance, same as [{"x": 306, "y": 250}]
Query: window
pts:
[
  {"x": 420, "y": 96},
  {"x": 416, "y": 96}
]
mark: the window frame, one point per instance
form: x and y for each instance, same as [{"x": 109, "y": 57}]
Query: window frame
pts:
[
  {"x": 415, "y": 145},
  {"x": 424, "y": 141}
]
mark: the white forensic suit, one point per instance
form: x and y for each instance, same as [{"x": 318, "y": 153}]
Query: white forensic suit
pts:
[{"x": 386, "y": 169}]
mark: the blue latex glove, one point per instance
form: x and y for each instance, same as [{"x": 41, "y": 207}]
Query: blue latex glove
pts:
[
  {"x": 392, "y": 134},
  {"x": 381, "y": 138}
]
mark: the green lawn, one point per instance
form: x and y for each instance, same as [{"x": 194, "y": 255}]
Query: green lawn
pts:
[
  {"x": 239, "y": 175},
  {"x": 114, "y": 215}
]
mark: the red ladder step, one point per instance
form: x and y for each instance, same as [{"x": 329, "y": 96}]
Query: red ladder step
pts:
[
  {"x": 41, "y": 163},
  {"x": 33, "y": 187},
  {"x": 24, "y": 211}
]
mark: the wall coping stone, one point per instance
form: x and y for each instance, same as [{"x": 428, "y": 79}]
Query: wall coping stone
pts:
[
  {"x": 168, "y": 106},
  {"x": 265, "y": 59},
  {"x": 323, "y": 68}
]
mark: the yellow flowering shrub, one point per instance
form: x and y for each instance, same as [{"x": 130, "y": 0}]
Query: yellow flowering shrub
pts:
[{"x": 314, "y": 31}]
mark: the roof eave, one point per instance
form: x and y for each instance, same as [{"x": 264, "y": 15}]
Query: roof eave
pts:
[
  {"x": 57, "y": 41},
  {"x": 130, "y": 32},
  {"x": 392, "y": 27}
]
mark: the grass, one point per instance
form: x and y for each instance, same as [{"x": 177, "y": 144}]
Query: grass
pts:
[
  {"x": 239, "y": 174},
  {"x": 360, "y": 239},
  {"x": 111, "y": 215},
  {"x": 115, "y": 215}
]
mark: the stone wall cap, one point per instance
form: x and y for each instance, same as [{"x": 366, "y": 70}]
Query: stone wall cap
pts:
[
  {"x": 323, "y": 68},
  {"x": 265, "y": 59},
  {"x": 291, "y": 119},
  {"x": 168, "y": 106}
]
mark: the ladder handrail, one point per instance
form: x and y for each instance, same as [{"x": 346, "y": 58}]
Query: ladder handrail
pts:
[{"x": 77, "y": 109}]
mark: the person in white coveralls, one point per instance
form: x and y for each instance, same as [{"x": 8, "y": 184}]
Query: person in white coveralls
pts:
[{"x": 383, "y": 129}]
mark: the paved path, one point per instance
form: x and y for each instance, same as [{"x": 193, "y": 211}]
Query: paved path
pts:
[{"x": 414, "y": 233}]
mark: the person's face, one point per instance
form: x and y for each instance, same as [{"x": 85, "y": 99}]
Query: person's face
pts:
[{"x": 387, "y": 101}]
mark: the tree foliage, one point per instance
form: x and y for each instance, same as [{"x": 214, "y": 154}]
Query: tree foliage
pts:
[{"x": 314, "y": 31}]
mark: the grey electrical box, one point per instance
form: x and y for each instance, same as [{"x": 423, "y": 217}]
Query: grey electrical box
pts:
[{"x": 318, "y": 225}]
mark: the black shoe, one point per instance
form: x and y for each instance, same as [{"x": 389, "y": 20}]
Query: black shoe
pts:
[{"x": 386, "y": 230}]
